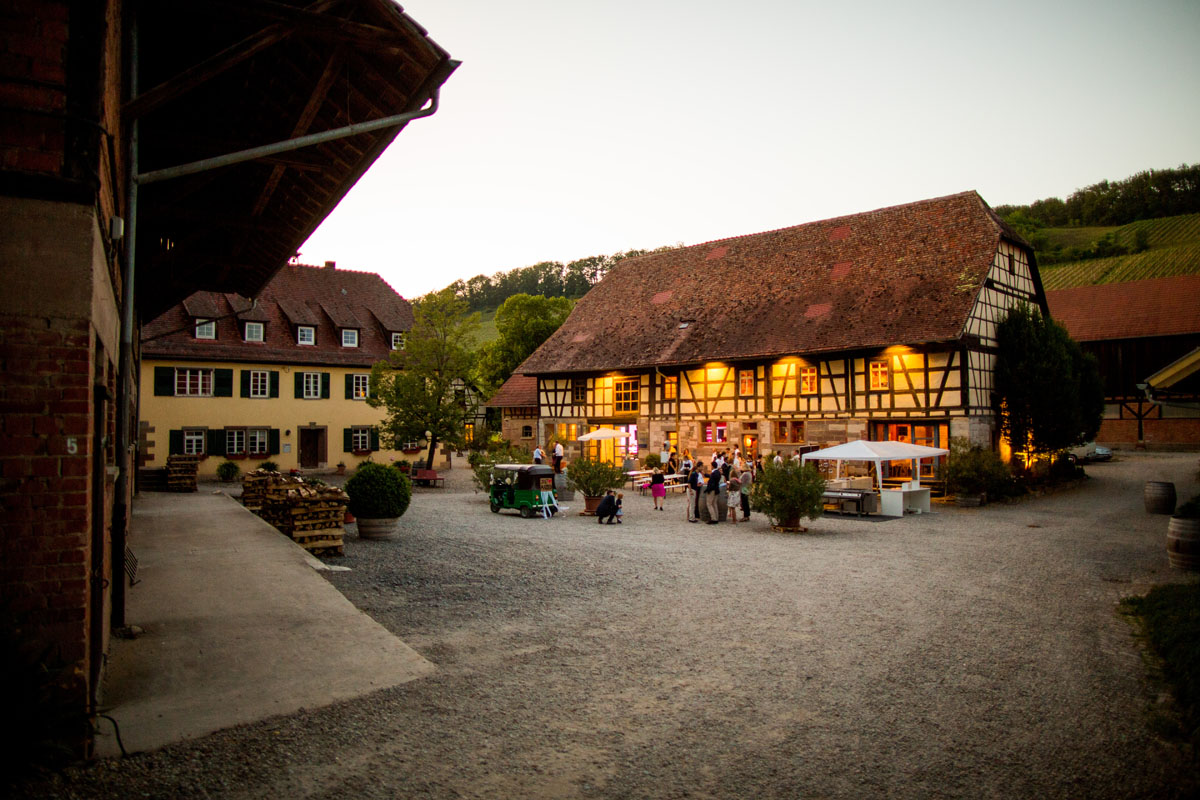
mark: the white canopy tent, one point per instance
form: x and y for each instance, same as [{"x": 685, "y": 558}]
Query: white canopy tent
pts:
[
  {"x": 603, "y": 433},
  {"x": 876, "y": 452}
]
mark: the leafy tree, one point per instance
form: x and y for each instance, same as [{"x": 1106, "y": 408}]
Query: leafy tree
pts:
[
  {"x": 422, "y": 386},
  {"x": 787, "y": 492},
  {"x": 524, "y": 322},
  {"x": 1048, "y": 391}
]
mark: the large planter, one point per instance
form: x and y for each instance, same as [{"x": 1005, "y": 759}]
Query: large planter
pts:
[
  {"x": 562, "y": 489},
  {"x": 377, "y": 528},
  {"x": 1159, "y": 497},
  {"x": 969, "y": 500},
  {"x": 722, "y": 506},
  {"x": 590, "y": 504},
  {"x": 1183, "y": 543}
]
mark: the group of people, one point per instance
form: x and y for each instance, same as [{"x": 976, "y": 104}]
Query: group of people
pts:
[
  {"x": 733, "y": 472},
  {"x": 539, "y": 456}
]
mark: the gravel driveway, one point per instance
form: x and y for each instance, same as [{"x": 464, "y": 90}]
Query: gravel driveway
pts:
[{"x": 967, "y": 653}]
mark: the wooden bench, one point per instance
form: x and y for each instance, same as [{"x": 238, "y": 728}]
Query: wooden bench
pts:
[{"x": 428, "y": 477}]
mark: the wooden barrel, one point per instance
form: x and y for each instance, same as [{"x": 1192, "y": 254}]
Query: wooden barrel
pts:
[
  {"x": 1159, "y": 497},
  {"x": 1183, "y": 543}
]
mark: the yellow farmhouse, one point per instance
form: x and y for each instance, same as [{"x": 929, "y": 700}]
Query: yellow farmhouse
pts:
[{"x": 283, "y": 379}]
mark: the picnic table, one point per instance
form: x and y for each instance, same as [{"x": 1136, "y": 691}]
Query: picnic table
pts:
[{"x": 634, "y": 474}]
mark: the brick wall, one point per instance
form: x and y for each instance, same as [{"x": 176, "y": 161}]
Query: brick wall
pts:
[{"x": 33, "y": 55}]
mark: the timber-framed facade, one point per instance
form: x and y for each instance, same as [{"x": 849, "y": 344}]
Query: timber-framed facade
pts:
[{"x": 822, "y": 346}]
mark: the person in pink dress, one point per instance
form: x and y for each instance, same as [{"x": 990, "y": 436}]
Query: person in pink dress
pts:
[{"x": 658, "y": 489}]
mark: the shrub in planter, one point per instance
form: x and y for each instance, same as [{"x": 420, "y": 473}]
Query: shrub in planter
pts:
[
  {"x": 975, "y": 471},
  {"x": 594, "y": 478},
  {"x": 270, "y": 466},
  {"x": 653, "y": 460},
  {"x": 788, "y": 491},
  {"x": 378, "y": 492},
  {"x": 228, "y": 471}
]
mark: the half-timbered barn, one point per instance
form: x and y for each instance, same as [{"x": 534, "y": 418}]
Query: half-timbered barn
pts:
[
  {"x": 517, "y": 400},
  {"x": 873, "y": 326}
]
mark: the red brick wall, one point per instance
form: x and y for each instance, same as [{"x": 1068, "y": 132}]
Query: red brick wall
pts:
[
  {"x": 33, "y": 53},
  {"x": 45, "y": 497},
  {"x": 1163, "y": 434}
]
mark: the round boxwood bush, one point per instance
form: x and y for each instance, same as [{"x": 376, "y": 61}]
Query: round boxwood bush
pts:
[{"x": 378, "y": 492}]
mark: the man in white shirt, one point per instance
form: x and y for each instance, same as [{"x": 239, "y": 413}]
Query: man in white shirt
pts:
[
  {"x": 558, "y": 456},
  {"x": 538, "y": 454}
]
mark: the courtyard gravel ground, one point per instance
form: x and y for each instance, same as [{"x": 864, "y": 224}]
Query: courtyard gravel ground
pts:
[{"x": 967, "y": 653}]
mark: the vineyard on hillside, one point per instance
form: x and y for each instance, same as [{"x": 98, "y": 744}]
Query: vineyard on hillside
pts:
[{"x": 1174, "y": 249}]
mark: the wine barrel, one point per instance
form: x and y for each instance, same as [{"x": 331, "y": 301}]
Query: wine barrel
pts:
[
  {"x": 1183, "y": 543},
  {"x": 1159, "y": 497}
]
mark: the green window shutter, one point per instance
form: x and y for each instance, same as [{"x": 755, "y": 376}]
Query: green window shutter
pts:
[
  {"x": 216, "y": 441},
  {"x": 164, "y": 386},
  {"x": 222, "y": 383},
  {"x": 174, "y": 439},
  {"x": 273, "y": 441},
  {"x": 274, "y": 392},
  {"x": 374, "y": 438},
  {"x": 299, "y": 385},
  {"x": 324, "y": 385},
  {"x": 347, "y": 440},
  {"x": 245, "y": 383},
  {"x": 349, "y": 387}
]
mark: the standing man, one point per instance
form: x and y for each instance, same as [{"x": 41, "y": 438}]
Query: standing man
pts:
[
  {"x": 538, "y": 454},
  {"x": 712, "y": 496},
  {"x": 695, "y": 482},
  {"x": 747, "y": 479},
  {"x": 558, "y": 456}
]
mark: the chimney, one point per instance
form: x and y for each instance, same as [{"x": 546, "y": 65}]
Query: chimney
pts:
[{"x": 330, "y": 265}]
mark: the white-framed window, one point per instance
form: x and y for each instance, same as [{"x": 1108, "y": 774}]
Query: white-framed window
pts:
[
  {"x": 312, "y": 386},
  {"x": 235, "y": 442},
  {"x": 879, "y": 375},
  {"x": 362, "y": 385},
  {"x": 360, "y": 439},
  {"x": 260, "y": 383},
  {"x": 254, "y": 331},
  {"x": 257, "y": 442},
  {"x": 410, "y": 445},
  {"x": 206, "y": 329},
  {"x": 526, "y": 431},
  {"x": 191, "y": 382},
  {"x": 808, "y": 380},
  {"x": 397, "y": 340},
  {"x": 306, "y": 334},
  {"x": 349, "y": 337},
  {"x": 193, "y": 442}
]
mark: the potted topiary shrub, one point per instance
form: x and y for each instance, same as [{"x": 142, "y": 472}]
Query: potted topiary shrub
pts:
[
  {"x": 379, "y": 496},
  {"x": 228, "y": 471},
  {"x": 786, "y": 492},
  {"x": 653, "y": 460},
  {"x": 593, "y": 478},
  {"x": 1183, "y": 536},
  {"x": 341, "y": 468}
]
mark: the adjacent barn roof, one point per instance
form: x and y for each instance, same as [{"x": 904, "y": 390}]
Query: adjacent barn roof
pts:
[
  {"x": 519, "y": 391},
  {"x": 907, "y": 274},
  {"x": 297, "y": 295},
  {"x": 1156, "y": 307},
  {"x": 219, "y": 78}
]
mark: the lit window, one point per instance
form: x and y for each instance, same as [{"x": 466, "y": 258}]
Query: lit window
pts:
[
  {"x": 193, "y": 382},
  {"x": 193, "y": 442},
  {"x": 360, "y": 439},
  {"x": 312, "y": 386},
  {"x": 397, "y": 341},
  {"x": 306, "y": 334},
  {"x": 579, "y": 391},
  {"x": 349, "y": 337},
  {"x": 789, "y": 432},
  {"x": 469, "y": 431},
  {"x": 714, "y": 432},
  {"x": 206, "y": 329},
  {"x": 254, "y": 331},
  {"x": 361, "y": 386},
  {"x": 670, "y": 388},
  {"x": 235, "y": 442},
  {"x": 879, "y": 375},
  {"x": 625, "y": 396},
  {"x": 808, "y": 380},
  {"x": 746, "y": 382},
  {"x": 256, "y": 441},
  {"x": 260, "y": 383}
]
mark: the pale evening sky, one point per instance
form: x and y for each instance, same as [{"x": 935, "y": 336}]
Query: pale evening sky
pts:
[{"x": 582, "y": 128}]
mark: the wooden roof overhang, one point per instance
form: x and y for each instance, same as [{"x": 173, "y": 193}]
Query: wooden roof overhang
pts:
[{"x": 217, "y": 77}]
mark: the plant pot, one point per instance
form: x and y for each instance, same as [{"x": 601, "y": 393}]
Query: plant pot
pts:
[
  {"x": 341, "y": 469},
  {"x": 590, "y": 504},
  {"x": 969, "y": 500},
  {"x": 348, "y": 518},
  {"x": 377, "y": 528},
  {"x": 1159, "y": 497},
  {"x": 1183, "y": 543}
]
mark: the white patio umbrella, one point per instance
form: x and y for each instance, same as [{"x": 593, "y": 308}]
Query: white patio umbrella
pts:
[
  {"x": 876, "y": 452},
  {"x": 603, "y": 433}
]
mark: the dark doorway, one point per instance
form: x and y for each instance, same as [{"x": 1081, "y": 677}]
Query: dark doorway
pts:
[{"x": 312, "y": 447}]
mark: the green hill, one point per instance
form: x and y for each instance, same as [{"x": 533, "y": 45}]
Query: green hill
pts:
[{"x": 1173, "y": 248}]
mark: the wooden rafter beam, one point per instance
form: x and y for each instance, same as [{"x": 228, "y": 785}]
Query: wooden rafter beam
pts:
[{"x": 313, "y": 22}]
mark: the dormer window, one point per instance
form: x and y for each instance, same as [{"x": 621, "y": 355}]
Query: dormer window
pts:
[
  {"x": 254, "y": 331},
  {"x": 206, "y": 329},
  {"x": 397, "y": 340},
  {"x": 306, "y": 334},
  {"x": 349, "y": 337}
]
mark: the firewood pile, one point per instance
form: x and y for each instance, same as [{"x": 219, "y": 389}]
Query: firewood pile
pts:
[
  {"x": 312, "y": 516},
  {"x": 181, "y": 473}
]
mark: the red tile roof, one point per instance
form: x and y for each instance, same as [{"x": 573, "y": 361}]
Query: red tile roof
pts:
[
  {"x": 519, "y": 391},
  {"x": 1156, "y": 307},
  {"x": 298, "y": 294},
  {"x": 902, "y": 275}
]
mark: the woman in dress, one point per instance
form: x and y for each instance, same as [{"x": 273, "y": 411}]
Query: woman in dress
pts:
[{"x": 658, "y": 489}]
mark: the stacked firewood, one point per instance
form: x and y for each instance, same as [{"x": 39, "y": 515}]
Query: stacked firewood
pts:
[
  {"x": 254, "y": 487},
  {"x": 181, "y": 473},
  {"x": 313, "y": 516}
]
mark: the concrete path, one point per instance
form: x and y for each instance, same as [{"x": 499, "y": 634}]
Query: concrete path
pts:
[{"x": 238, "y": 627}]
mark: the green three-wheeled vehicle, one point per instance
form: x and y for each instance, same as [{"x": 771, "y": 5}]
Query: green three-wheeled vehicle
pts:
[{"x": 527, "y": 487}]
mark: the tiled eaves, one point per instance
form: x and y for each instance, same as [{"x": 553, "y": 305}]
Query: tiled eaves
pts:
[{"x": 1129, "y": 310}]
